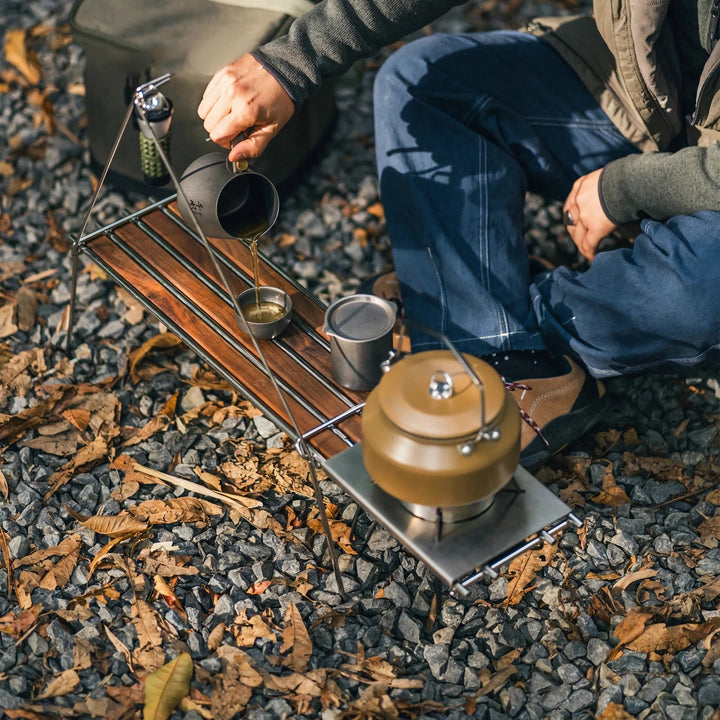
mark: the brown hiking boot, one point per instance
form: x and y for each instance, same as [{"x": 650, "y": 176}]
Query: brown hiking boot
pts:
[
  {"x": 557, "y": 410},
  {"x": 385, "y": 286}
]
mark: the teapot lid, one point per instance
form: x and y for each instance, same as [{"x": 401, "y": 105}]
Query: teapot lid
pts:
[{"x": 430, "y": 394}]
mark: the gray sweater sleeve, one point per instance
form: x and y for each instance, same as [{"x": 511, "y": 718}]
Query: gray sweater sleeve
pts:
[
  {"x": 328, "y": 39},
  {"x": 661, "y": 185}
]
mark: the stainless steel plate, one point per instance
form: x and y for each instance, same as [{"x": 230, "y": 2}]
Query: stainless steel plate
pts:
[{"x": 521, "y": 509}]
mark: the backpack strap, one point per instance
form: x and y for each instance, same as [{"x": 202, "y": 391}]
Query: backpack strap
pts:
[{"x": 294, "y": 8}]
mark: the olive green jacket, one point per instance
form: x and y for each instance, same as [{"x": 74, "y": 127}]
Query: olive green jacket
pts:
[{"x": 627, "y": 57}]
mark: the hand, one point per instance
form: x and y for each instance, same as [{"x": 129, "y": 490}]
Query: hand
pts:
[
  {"x": 244, "y": 97},
  {"x": 589, "y": 223}
]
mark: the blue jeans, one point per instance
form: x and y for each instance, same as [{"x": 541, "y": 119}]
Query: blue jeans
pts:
[{"x": 465, "y": 125}]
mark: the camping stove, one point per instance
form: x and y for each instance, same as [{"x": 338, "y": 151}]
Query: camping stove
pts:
[{"x": 461, "y": 544}]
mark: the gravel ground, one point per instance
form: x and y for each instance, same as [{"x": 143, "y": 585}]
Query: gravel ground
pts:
[{"x": 618, "y": 620}]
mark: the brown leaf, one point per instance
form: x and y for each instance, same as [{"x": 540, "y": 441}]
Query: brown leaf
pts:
[
  {"x": 68, "y": 546},
  {"x": 624, "y": 582},
  {"x": 62, "y": 445},
  {"x": 103, "y": 552},
  {"x": 659, "y": 637},
  {"x": 89, "y": 455},
  {"x": 26, "y": 308},
  {"x": 23, "y": 58},
  {"x": 7, "y": 559},
  {"x": 120, "y": 525},
  {"x": 63, "y": 684},
  {"x": 497, "y": 680},
  {"x": 167, "y": 594},
  {"x": 59, "y": 574},
  {"x": 149, "y": 634},
  {"x": 340, "y": 531},
  {"x": 628, "y": 629},
  {"x": 78, "y": 417},
  {"x": 163, "y": 564},
  {"x": 259, "y": 587},
  {"x": 614, "y": 711},
  {"x": 215, "y": 637},
  {"x": 523, "y": 570},
  {"x": 135, "y": 311},
  {"x": 247, "y": 631},
  {"x": 613, "y": 496},
  {"x": 119, "y": 646},
  {"x": 4, "y": 486},
  {"x": 710, "y": 528},
  {"x": 8, "y": 317},
  {"x": 296, "y": 639},
  {"x": 163, "y": 341},
  {"x": 82, "y": 654},
  {"x": 182, "y": 509},
  {"x": 18, "y": 625},
  {"x": 233, "y": 687},
  {"x": 25, "y": 713}
]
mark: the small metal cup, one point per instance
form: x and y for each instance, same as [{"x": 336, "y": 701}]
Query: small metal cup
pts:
[
  {"x": 265, "y": 330},
  {"x": 360, "y": 328}
]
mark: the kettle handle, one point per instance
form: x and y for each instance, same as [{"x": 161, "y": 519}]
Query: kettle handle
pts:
[{"x": 483, "y": 433}]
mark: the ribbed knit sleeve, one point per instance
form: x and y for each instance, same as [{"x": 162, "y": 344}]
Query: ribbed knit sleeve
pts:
[
  {"x": 660, "y": 185},
  {"x": 328, "y": 39}
]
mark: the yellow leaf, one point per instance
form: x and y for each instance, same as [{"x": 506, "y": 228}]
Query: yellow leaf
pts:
[
  {"x": 166, "y": 687},
  {"x": 18, "y": 54}
]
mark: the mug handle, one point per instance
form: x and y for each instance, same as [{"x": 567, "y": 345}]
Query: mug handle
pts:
[{"x": 239, "y": 165}]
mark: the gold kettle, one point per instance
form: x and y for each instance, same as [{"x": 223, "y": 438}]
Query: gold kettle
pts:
[{"x": 440, "y": 429}]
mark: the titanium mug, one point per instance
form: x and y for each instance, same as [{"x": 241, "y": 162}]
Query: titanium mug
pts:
[
  {"x": 360, "y": 328},
  {"x": 225, "y": 201}
]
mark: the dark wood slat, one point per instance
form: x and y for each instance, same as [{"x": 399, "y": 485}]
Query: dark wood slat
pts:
[
  {"x": 199, "y": 296},
  {"x": 309, "y": 310},
  {"x": 235, "y": 365},
  {"x": 303, "y": 307}
]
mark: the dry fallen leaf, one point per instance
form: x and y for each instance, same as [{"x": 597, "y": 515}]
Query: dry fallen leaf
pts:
[
  {"x": 296, "y": 640},
  {"x": 166, "y": 687},
  {"x": 614, "y": 711},
  {"x": 523, "y": 570},
  {"x": 3, "y": 485},
  {"x": 613, "y": 496},
  {"x": 120, "y": 525},
  {"x": 18, "y": 53},
  {"x": 163, "y": 341},
  {"x": 63, "y": 684},
  {"x": 628, "y": 629}
]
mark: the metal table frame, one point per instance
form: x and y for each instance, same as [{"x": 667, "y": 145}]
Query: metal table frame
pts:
[{"x": 468, "y": 550}]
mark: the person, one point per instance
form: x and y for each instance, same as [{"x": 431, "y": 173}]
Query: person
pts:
[{"x": 614, "y": 114}]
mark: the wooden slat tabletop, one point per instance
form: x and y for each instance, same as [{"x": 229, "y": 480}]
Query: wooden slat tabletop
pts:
[{"x": 171, "y": 272}]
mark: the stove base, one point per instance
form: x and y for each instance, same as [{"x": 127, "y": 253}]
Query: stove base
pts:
[{"x": 524, "y": 514}]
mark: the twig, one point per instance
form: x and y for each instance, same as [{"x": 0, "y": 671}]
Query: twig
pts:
[{"x": 235, "y": 501}]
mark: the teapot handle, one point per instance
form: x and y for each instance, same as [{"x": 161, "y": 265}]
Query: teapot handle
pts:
[{"x": 239, "y": 165}]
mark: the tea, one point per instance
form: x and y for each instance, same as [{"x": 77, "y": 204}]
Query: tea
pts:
[{"x": 263, "y": 311}]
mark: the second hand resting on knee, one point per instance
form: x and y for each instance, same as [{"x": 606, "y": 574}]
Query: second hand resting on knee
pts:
[{"x": 590, "y": 223}]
